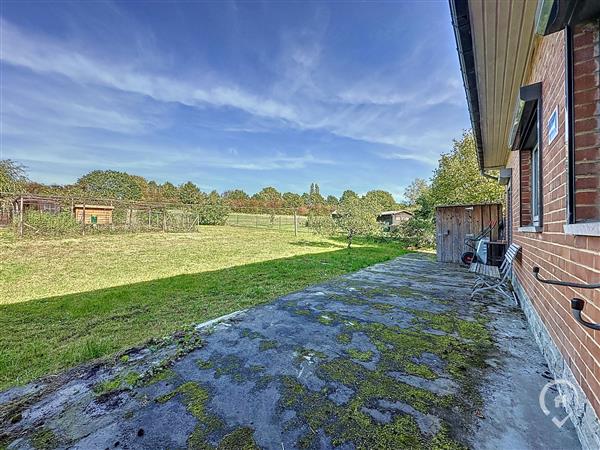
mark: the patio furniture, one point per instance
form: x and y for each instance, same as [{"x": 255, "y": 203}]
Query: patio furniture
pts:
[{"x": 494, "y": 279}]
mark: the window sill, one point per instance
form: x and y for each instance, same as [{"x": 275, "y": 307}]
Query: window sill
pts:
[
  {"x": 583, "y": 229},
  {"x": 531, "y": 229}
]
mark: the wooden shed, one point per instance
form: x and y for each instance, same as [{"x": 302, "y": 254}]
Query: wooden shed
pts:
[
  {"x": 393, "y": 218},
  {"x": 94, "y": 214},
  {"x": 455, "y": 222}
]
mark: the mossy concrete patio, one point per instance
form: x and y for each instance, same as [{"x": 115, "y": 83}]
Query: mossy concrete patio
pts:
[{"x": 393, "y": 356}]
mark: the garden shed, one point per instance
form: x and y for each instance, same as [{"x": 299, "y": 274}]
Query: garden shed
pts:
[
  {"x": 454, "y": 223},
  {"x": 393, "y": 218},
  {"x": 94, "y": 214}
]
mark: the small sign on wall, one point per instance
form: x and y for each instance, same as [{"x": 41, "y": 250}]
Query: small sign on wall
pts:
[{"x": 553, "y": 126}]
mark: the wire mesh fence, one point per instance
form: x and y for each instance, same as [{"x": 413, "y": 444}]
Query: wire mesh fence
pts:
[{"x": 41, "y": 215}]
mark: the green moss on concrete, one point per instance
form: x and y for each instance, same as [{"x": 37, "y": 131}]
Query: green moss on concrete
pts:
[
  {"x": 44, "y": 439},
  {"x": 344, "y": 338},
  {"x": 383, "y": 307},
  {"x": 120, "y": 382},
  {"x": 443, "y": 441},
  {"x": 360, "y": 355},
  {"x": 160, "y": 375},
  {"x": 205, "y": 364},
  {"x": 240, "y": 439},
  {"x": 195, "y": 398},
  {"x": 267, "y": 344}
]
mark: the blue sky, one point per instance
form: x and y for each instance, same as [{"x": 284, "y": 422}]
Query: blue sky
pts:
[{"x": 352, "y": 95}]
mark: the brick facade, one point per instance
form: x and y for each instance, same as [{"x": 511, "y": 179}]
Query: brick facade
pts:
[
  {"x": 587, "y": 114},
  {"x": 562, "y": 256}
]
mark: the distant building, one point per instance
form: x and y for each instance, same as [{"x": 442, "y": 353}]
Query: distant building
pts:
[
  {"x": 35, "y": 203},
  {"x": 391, "y": 219},
  {"x": 94, "y": 214}
]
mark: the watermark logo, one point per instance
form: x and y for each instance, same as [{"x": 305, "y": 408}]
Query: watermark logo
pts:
[{"x": 558, "y": 393}]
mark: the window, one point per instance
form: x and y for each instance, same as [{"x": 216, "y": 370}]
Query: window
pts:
[
  {"x": 535, "y": 187},
  {"x": 525, "y": 140}
]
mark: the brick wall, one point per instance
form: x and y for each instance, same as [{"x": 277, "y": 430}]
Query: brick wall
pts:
[
  {"x": 587, "y": 114},
  {"x": 560, "y": 256}
]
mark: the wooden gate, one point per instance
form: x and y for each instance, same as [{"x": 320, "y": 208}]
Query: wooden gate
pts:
[{"x": 454, "y": 223}]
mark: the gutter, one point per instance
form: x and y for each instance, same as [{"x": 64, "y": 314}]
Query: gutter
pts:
[{"x": 461, "y": 23}]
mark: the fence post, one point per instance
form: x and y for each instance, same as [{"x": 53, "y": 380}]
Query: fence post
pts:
[
  {"x": 295, "y": 223},
  {"x": 21, "y": 217},
  {"x": 83, "y": 220},
  {"x": 164, "y": 219},
  {"x": 149, "y": 218}
]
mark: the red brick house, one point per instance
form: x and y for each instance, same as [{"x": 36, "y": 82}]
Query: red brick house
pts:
[{"x": 531, "y": 72}]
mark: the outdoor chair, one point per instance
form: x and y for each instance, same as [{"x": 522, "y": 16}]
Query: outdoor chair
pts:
[{"x": 494, "y": 279}]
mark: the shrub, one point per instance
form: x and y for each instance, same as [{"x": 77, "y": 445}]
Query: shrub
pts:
[
  {"x": 212, "y": 214},
  {"x": 38, "y": 222},
  {"x": 417, "y": 232},
  {"x": 324, "y": 225}
]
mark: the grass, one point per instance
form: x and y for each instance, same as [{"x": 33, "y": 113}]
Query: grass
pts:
[
  {"x": 276, "y": 222},
  {"x": 67, "y": 301}
]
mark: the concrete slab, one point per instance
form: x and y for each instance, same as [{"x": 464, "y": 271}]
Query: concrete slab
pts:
[{"x": 393, "y": 356}]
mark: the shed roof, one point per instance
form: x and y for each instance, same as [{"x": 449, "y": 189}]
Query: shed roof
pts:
[{"x": 80, "y": 206}]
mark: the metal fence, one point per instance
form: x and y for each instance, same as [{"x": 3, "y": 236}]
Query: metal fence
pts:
[{"x": 43, "y": 215}]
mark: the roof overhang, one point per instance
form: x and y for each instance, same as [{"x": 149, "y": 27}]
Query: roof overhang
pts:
[{"x": 495, "y": 40}]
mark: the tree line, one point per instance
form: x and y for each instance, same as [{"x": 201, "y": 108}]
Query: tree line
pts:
[{"x": 112, "y": 184}]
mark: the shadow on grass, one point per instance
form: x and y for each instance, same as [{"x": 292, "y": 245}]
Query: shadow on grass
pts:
[
  {"x": 47, "y": 335},
  {"x": 330, "y": 245}
]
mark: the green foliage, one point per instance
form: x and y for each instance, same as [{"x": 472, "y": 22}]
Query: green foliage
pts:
[
  {"x": 111, "y": 184},
  {"x": 292, "y": 200},
  {"x": 348, "y": 195},
  {"x": 357, "y": 217},
  {"x": 417, "y": 232},
  {"x": 270, "y": 197},
  {"x": 168, "y": 192},
  {"x": 322, "y": 224},
  {"x": 189, "y": 193},
  {"x": 383, "y": 199},
  {"x": 332, "y": 201},
  {"x": 46, "y": 224},
  {"x": 416, "y": 190},
  {"x": 12, "y": 176},
  {"x": 213, "y": 213},
  {"x": 457, "y": 179}
]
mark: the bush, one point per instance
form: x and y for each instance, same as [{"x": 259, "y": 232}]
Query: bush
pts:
[
  {"x": 324, "y": 225},
  {"x": 417, "y": 232},
  {"x": 38, "y": 222},
  {"x": 213, "y": 214}
]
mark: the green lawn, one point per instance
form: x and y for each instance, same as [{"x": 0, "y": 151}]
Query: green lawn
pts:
[
  {"x": 276, "y": 222},
  {"x": 66, "y": 301}
]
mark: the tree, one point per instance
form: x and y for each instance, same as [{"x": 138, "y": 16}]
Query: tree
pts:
[
  {"x": 457, "y": 179},
  {"x": 357, "y": 216},
  {"x": 292, "y": 200},
  {"x": 332, "y": 201},
  {"x": 111, "y": 184},
  {"x": 270, "y": 197},
  {"x": 347, "y": 195},
  {"x": 314, "y": 196},
  {"x": 416, "y": 189},
  {"x": 189, "y": 193},
  {"x": 214, "y": 198},
  {"x": 235, "y": 195},
  {"x": 12, "y": 176},
  {"x": 169, "y": 192},
  {"x": 383, "y": 199}
]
